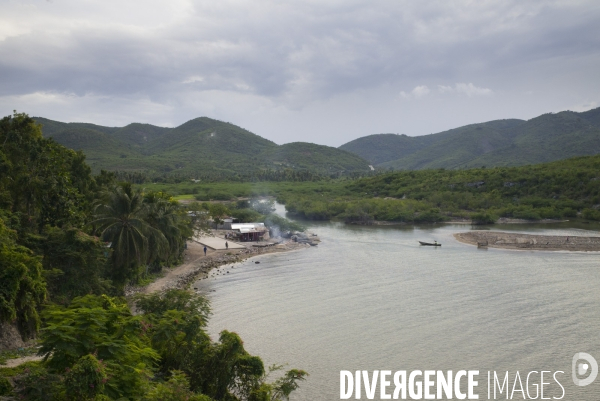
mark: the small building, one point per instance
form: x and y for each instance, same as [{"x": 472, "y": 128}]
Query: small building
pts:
[
  {"x": 249, "y": 231},
  {"x": 224, "y": 225}
]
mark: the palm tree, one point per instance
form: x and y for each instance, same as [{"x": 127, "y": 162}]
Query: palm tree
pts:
[
  {"x": 121, "y": 221},
  {"x": 164, "y": 215}
]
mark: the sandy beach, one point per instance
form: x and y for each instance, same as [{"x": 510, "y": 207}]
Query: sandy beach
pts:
[
  {"x": 197, "y": 264},
  {"x": 495, "y": 239}
]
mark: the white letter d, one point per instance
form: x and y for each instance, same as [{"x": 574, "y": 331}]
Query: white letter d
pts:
[{"x": 346, "y": 391}]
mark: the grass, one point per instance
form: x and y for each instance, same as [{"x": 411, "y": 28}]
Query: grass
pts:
[
  {"x": 150, "y": 278},
  {"x": 183, "y": 197},
  {"x": 17, "y": 370}
]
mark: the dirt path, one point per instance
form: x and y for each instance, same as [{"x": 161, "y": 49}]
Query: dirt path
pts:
[
  {"x": 11, "y": 363},
  {"x": 495, "y": 239}
]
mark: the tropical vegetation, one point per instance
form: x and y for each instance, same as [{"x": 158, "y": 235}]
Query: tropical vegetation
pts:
[
  {"x": 70, "y": 242},
  {"x": 566, "y": 189}
]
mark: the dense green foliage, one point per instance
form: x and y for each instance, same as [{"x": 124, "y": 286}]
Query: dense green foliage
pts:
[
  {"x": 67, "y": 239},
  {"x": 200, "y": 148},
  {"x": 95, "y": 349},
  {"x": 75, "y": 264},
  {"x": 47, "y": 244},
  {"x": 102, "y": 327},
  {"x": 5, "y": 386},
  {"x": 546, "y": 138},
  {"x": 563, "y": 189},
  {"x": 22, "y": 288},
  {"x": 143, "y": 229}
]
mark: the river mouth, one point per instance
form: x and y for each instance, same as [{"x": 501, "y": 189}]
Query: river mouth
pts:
[{"x": 371, "y": 298}]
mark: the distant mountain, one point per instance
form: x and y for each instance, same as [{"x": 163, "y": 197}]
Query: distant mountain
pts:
[
  {"x": 200, "y": 146},
  {"x": 593, "y": 116},
  {"x": 138, "y": 135},
  {"x": 304, "y": 155},
  {"x": 381, "y": 148},
  {"x": 512, "y": 142},
  {"x": 453, "y": 148}
]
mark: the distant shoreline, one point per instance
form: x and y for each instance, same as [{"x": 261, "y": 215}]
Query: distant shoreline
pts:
[
  {"x": 502, "y": 220},
  {"x": 503, "y": 240}
]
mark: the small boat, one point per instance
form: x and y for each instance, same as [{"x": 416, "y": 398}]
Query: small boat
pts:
[{"x": 429, "y": 243}]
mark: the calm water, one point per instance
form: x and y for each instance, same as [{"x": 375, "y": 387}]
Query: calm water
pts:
[{"x": 371, "y": 298}]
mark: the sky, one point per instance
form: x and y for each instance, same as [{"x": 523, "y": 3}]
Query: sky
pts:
[{"x": 322, "y": 71}]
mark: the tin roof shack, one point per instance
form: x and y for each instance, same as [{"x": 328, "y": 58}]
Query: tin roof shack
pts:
[
  {"x": 250, "y": 231},
  {"x": 224, "y": 224},
  {"x": 228, "y": 222}
]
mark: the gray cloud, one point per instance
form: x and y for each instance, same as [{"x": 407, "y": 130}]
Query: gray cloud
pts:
[{"x": 269, "y": 64}]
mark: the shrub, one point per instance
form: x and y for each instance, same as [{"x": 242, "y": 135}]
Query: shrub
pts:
[
  {"x": 591, "y": 214},
  {"x": 246, "y": 215},
  {"x": 86, "y": 379},
  {"x": 5, "y": 386},
  {"x": 102, "y": 326},
  {"x": 430, "y": 216},
  {"x": 36, "y": 383},
  {"x": 176, "y": 389},
  {"x": 483, "y": 218}
]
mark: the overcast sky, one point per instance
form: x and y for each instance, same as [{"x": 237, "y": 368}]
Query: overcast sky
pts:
[{"x": 323, "y": 71}]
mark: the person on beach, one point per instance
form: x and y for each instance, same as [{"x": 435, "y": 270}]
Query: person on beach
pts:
[
  {"x": 226, "y": 245},
  {"x": 204, "y": 250}
]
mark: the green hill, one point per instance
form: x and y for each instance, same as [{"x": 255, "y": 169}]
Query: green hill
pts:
[
  {"x": 512, "y": 142},
  {"x": 593, "y": 116},
  {"x": 381, "y": 148},
  {"x": 450, "y": 149},
  {"x": 308, "y": 155},
  {"x": 199, "y": 147},
  {"x": 543, "y": 139},
  {"x": 51, "y": 126},
  {"x": 138, "y": 135}
]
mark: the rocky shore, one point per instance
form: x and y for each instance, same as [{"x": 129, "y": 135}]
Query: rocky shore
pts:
[
  {"x": 196, "y": 264},
  {"x": 495, "y": 239}
]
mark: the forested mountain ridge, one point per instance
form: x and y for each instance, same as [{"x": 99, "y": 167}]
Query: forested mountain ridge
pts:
[
  {"x": 511, "y": 142},
  {"x": 199, "y": 146}
]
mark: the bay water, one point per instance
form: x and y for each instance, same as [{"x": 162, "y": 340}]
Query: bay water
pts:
[{"x": 371, "y": 298}]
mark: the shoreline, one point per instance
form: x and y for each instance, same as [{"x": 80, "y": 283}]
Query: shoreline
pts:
[
  {"x": 184, "y": 275},
  {"x": 531, "y": 242},
  {"x": 196, "y": 264},
  {"x": 502, "y": 220}
]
